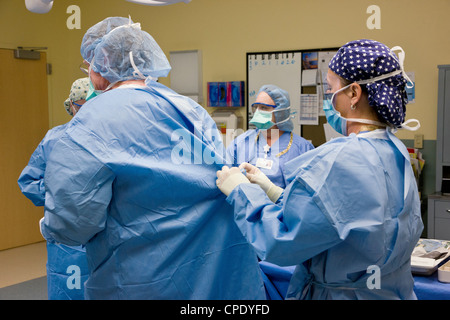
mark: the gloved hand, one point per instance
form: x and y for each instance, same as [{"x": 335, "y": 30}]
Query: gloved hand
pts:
[
  {"x": 40, "y": 225},
  {"x": 228, "y": 179},
  {"x": 256, "y": 176}
]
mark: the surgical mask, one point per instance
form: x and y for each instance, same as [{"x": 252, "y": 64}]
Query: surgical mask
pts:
[
  {"x": 91, "y": 91},
  {"x": 334, "y": 118},
  {"x": 263, "y": 119}
]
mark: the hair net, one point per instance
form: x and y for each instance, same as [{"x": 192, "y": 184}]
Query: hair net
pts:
[
  {"x": 78, "y": 91},
  {"x": 112, "y": 58},
  {"x": 366, "y": 59},
  {"x": 282, "y": 101},
  {"x": 95, "y": 33}
]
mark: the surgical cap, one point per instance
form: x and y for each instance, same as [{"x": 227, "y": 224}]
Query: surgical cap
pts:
[
  {"x": 78, "y": 91},
  {"x": 282, "y": 101},
  {"x": 366, "y": 59},
  {"x": 95, "y": 33},
  {"x": 112, "y": 55}
]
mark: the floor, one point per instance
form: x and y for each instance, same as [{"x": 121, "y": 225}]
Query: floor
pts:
[{"x": 23, "y": 272}]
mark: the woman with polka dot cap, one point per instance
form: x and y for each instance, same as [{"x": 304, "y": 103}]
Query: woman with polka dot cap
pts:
[
  {"x": 366, "y": 84},
  {"x": 349, "y": 217}
]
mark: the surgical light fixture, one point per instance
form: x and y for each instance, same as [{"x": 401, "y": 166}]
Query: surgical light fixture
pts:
[
  {"x": 44, "y": 6},
  {"x": 158, "y": 2},
  {"x": 39, "y": 6}
]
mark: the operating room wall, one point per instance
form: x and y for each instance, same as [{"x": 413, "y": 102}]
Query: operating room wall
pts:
[{"x": 226, "y": 29}]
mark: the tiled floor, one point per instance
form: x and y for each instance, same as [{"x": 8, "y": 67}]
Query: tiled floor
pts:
[{"x": 22, "y": 264}]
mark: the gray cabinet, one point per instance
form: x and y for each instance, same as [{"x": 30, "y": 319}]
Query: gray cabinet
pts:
[
  {"x": 439, "y": 217},
  {"x": 439, "y": 203},
  {"x": 443, "y": 132}
]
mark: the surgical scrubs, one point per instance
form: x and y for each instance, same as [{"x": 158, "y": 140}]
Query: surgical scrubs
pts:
[
  {"x": 349, "y": 219},
  {"x": 249, "y": 147},
  {"x": 62, "y": 282},
  {"x": 142, "y": 198}
]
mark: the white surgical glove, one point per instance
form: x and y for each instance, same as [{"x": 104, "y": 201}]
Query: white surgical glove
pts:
[
  {"x": 228, "y": 179},
  {"x": 256, "y": 176},
  {"x": 40, "y": 225}
]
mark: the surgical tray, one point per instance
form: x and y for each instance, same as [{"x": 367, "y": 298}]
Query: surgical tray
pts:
[{"x": 429, "y": 255}]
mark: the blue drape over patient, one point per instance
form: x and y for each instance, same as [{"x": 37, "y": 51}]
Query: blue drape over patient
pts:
[{"x": 140, "y": 193}]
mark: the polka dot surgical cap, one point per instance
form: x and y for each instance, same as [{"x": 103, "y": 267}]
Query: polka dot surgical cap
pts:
[
  {"x": 78, "y": 91},
  {"x": 366, "y": 59}
]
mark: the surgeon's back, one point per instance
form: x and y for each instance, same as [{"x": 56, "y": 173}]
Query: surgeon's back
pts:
[{"x": 142, "y": 197}]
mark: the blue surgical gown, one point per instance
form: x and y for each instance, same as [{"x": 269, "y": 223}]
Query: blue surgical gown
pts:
[
  {"x": 142, "y": 197},
  {"x": 60, "y": 258},
  {"x": 246, "y": 148},
  {"x": 349, "y": 219}
]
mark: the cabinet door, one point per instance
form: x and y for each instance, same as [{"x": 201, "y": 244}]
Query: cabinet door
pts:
[
  {"x": 23, "y": 124},
  {"x": 442, "y": 229},
  {"x": 446, "y": 121},
  {"x": 442, "y": 210}
]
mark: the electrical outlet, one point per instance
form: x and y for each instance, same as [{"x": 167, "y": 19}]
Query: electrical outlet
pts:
[{"x": 418, "y": 141}]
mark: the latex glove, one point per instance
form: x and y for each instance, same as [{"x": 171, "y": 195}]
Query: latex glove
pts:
[
  {"x": 256, "y": 176},
  {"x": 228, "y": 179},
  {"x": 40, "y": 225}
]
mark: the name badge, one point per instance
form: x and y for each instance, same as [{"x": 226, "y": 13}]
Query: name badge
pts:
[{"x": 264, "y": 163}]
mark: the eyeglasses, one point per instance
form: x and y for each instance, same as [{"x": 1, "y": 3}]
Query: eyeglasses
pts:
[
  {"x": 76, "y": 104},
  {"x": 84, "y": 68},
  {"x": 262, "y": 107}
]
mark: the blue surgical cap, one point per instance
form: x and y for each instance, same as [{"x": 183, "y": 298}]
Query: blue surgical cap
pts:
[
  {"x": 112, "y": 55},
  {"x": 282, "y": 101},
  {"x": 95, "y": 33},
  {"x": 366, "y": 59}
]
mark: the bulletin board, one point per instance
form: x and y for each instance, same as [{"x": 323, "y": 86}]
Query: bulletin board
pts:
[{"x": 302, "y": 74}]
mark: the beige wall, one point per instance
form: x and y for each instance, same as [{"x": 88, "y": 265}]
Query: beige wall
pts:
[{"x": 226, "y": 29}]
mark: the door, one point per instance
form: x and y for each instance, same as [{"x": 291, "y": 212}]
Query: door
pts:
[{"x": 23, "y": 124}]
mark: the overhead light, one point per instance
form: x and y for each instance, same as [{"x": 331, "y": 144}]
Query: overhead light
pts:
[
  {"x": 158, "y": 2},
  {"x": 39, "y": 6}
]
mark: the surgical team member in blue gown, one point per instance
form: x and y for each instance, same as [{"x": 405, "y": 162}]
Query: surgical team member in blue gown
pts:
[
  {"x": 141, "y": 194},
  {"x": 67, "y": 268},
  {"x": 273, "y": 143},
  {"x": 350, "y": 216}
]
